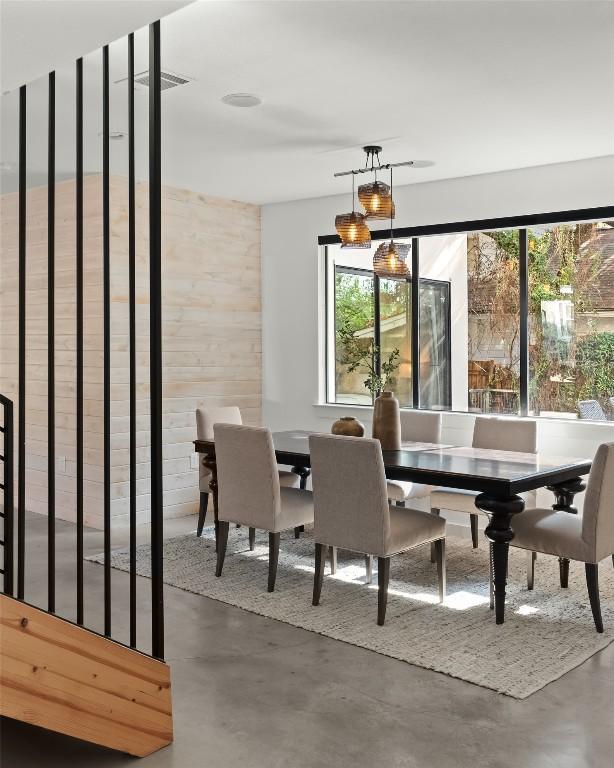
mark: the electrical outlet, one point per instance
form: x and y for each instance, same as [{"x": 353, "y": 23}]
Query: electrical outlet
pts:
[
  {"x": 60, "y": 464},
  {"x": 194, "y": 461}
]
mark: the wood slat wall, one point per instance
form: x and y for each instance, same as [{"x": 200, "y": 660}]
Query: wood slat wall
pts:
[{"x": 211, "y": 343}]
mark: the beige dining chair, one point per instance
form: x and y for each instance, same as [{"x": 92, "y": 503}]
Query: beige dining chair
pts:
[
  {"x": 205, "y": 419},
  {"x": 249, "y": 491},
  {"x": 587, "y": 539},
  {"x": 495, "y": 434},
  {"x": 416, "y": 427},
  {"x": 352, "y": 511}
]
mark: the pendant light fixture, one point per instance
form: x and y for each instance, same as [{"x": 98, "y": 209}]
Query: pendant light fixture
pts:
[
  {"x": 352, "y": 228},
  {"x": 375, "y": 196},
  {"x": 390, "y": 259}
]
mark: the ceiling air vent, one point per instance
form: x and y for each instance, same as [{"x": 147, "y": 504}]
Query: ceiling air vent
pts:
[{"x": 167, "y": 80}]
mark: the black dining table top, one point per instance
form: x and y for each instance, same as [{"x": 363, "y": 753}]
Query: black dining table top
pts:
[{"x": 503, "y": 473}]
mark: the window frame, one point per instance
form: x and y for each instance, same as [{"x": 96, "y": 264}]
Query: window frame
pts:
[
  {"x": 334, "y": 269},
  {"x": 522, "y": 223}
]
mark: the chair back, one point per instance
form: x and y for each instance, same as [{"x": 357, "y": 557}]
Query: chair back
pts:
[
  {"x": 498, "y": 434},
  {"x": 247, "y": 478},
  {"x": 420, "y": 426},
  {"x": 591, "y": 409},
  {"x": 205, "y": 419},
  {"x": 598, "y": 514},
  {"x": 349, "y": 493}
]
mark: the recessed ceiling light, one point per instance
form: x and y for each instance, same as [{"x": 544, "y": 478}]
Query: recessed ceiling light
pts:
[{"x": 241, "y": 100}]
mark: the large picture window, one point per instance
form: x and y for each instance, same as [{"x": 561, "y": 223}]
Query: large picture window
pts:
[{"x": 510, "y": 319}]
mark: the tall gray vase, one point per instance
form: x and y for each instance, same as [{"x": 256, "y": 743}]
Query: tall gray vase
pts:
[{"x": 387, "y": 421}]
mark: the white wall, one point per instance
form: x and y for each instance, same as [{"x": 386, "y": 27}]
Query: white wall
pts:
[{"x": 292, "y": 283}]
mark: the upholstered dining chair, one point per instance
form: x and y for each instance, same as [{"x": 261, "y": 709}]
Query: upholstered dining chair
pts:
[
  {"x": 587, "y": 539},
  {"x": 205, "y": 419},
  {"x": 495, "y": 434},
  {"x": 417, "y": 427},
  {"x": 352, "y": 511},
  {"x": 249, "y": 491}
]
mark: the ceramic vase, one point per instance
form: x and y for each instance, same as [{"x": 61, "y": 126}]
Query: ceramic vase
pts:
[
  {"x": 387, "y": 421},
  {"x": 348, "y": 425}
]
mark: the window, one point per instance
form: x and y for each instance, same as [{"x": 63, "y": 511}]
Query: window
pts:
[
  {"x": 511, "y": 320},
  {"x": 368, "y": 309},
  {"x": 571, "y": 320}
]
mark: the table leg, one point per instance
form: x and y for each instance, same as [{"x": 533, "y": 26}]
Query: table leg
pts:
[
  {"x": 500, "y": 511},
  {"x": 303, "y": 473},
  {"x": 564, "y": 495},
  {"x": 210, "y": 463}
]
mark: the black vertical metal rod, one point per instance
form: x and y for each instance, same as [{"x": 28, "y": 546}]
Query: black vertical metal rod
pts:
[
  {"x": 415, "y": 321},
  {"x": 79, "y": 329},
  {"x": 21, "y": 397},
  {"x": 106, "y": 269},
  {"x": 132, "y": 334},
  {"x": 377, "y": 334},
  {"x": 8, "y": 495},
  {"x": 155, "y": 341},
  {"x": 523, "y": 274},
  {"x": 51, "y": 349}
]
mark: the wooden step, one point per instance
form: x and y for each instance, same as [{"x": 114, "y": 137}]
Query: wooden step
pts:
[{"x": 65, "y": 678}]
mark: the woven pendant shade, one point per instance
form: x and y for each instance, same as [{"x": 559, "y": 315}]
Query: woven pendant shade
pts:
[
  {"x": 352, "y": 230},
  {"x": 389, "y": 260},
  {"x": 376, "y": 199}
]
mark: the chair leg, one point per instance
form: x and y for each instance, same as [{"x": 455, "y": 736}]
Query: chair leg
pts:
[
  {"x": 474, "y": 530},
  {"x": 440, "y": 556},
  {"x": 491, "y": 577},
  {"x": 333, "y": 561},
  {"x": 221, "y": 545},
  {"x": 383, "y": 577},
  {"x": 273, "y": 558},
  {"x": 252, "y": 539},
  {"x": 592, "y": 583},
  {"x": 319, "y": 573},
  {"x": 434, "y": 511},
  {"x": 202, "y": 513},
  {"x": 297, "y": 532},
  {"x": 564, "y": 572},
  {"x": 531, "y": 558},
  {"x": 369, "y": 568}
]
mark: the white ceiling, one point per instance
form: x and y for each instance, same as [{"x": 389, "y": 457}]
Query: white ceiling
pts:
[
  {"x": 474, "y": 87},
  {"x": 37, "y": 36}
]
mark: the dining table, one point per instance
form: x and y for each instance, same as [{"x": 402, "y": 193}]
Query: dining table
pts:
[{"x": 497, "y": 477}]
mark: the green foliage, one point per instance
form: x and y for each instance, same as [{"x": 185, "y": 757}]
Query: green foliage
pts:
[
  {"x": 595, "y": 365},
  {"x": 354, "y": 301},
  {"x": 361, "y": 353}
]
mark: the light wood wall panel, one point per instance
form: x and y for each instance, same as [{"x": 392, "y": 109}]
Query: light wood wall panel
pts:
[{"x": 211, "y": 337}]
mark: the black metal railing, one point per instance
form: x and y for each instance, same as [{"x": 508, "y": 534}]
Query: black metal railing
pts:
[
  {"x": 16, "y": 561},
  {"x": 6, "y": 489}
]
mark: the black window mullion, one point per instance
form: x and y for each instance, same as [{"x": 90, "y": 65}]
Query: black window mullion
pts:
[
  {"x": 377, "y": 329},
  {"x": 523, "y": 274},
  {"x": 415, "y": 322}
]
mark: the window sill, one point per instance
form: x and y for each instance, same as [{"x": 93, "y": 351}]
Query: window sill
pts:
[{"x": 367, "y": 410}]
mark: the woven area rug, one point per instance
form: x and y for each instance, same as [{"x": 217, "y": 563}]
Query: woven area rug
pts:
[{"x": 547, "y": 632}]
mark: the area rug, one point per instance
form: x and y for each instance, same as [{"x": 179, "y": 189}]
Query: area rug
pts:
[{"x": 547, "y": 632}]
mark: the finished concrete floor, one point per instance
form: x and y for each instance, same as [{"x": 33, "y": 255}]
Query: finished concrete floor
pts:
[{"x": 250, "y": 691}]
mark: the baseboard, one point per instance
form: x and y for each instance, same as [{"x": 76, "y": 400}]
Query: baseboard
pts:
[{"x": 63, "y": 677}]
